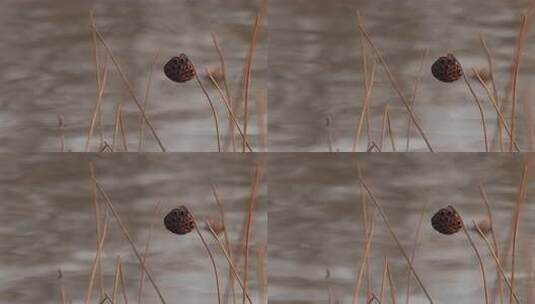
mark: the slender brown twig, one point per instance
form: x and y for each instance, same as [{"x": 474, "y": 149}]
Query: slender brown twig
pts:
[
  {"x": 394, "y": 83},
  {"x": 393, "y": 234}
]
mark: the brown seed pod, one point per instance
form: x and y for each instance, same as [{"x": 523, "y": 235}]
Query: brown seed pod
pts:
[
  {"x": 179, "y": 69},
  {"x": 447, "y": 221},
  {"x": 447, "y": 68},
  {"x": 179, "y": 221}
]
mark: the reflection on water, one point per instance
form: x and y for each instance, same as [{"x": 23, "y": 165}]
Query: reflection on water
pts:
[
  {"x": 316, "y": 223},
  {"x": 47, "y": 223},
  {"x": 48, "y": 68},
  {"x": 316, "y": 70}
]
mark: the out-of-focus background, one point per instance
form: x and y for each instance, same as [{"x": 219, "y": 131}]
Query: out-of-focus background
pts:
[
  {"x": 47, "y": 223},
  {"x": 316, "y": 71},
  {"x": 316, "y": 224},
  {"x": 48, "y": 70}
]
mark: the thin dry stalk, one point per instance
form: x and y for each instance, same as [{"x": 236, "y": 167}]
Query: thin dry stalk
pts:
[
  {"x": 498, "y": 111},
  {"x": 229, "y": 109},
  {"x": 248, "y": 69},
  {"x": 391, "y": 284},
  {"x": 96, "y": 262},
  {"x": 98, "y": 103},
  {"x": 216, "y": 275},
  {"x": 516, "y": 64},
  {"x": 364, "y": 110},
  {"x": 128, "y": 87},
  {"x": 390, "y": 132},
  {"x": 226, "y": 238},
  {"x": 481, "y": 112},
  {"x": 123, "y": 283},
  {"x": 383, "y": 128},
  {"x": 116, "y": 280},
  {"x": 364, "y": 51},
  {"x": 499, "y": 283},
  {"x": 116, "y": 126},
  {"x": 146, "y": 253},
  {"x": 516, "y": 220},
  {"x": 383, "y": 281},
  {"x": 146, "y": 102},
  {"x": 229, "y": 260},
  {"x": 364, "y": 262},
  {"x": 499, "y": 266},
  {"x": 413, "y": 253},
  {"x": 227, "y": 89},
  {"x": 393, "y": 234},
  {"x": 494, "y": 87},
  {"x": 214, "y": 111},
  {"x": 250, "y": 212},
  {"x": 122, "y": 128},
  {"x": 414, "y": 93},
  {"x": 125, "y": 233},
  {"x": 481, "y": 265},
  {"x": 394, "y": 83}
]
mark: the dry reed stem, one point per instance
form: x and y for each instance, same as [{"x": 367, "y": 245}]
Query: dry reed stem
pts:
[
  {"x": 123, "y": 284},
  {"x": 214, "y": 111},
  {"x": 116, "y": 126},
  {"x": 248, "y": 69},
  {"x": 499, "y": 266},
  {"x": 383, "y": 281},
  {"x": 229, "y": 109},
  {"x": 498, "y": 111},
  {"x": 413, "y": 253},
  {"x": 125, "y": 233},
  {"x": 364, "y": 110},
  {"x": 393, "y": 234},
  {"x": 481, "y": 265},
  {"x": 226, "y": 238},
  {"x": 122, "y": 128},
  {"x": 227, "y": 89},
  {"x": 364, "y": 262},
  {"x": 216, "y": 275},
  {"x": 516, "y": 219},
  {"x": 414, "y": 93},
  {"x": 383, "y": 128},
  {"x": 366, "y": 84},
  {"x": 98, "y": 104},
  {"x": 231, "y": 264},
  {"x": 96, "y": 263},
  {"x": 146, "y": 102},
  {"x": 391, "y": 284},
  {"x": 129, "y": 87},
  {"x": 499, "y": 282},
  {"x": 250, "y": 211},
  {"x": 516, "y": 64},
  {"x": 481, "y": 112},
  {"x": 116, "y": 280},
  {"x": 494, "y": 88},
  {"x": 390, "y": 132},
  {"x": 146, "y": 252},
  {"x": 394, "y": 83}
]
